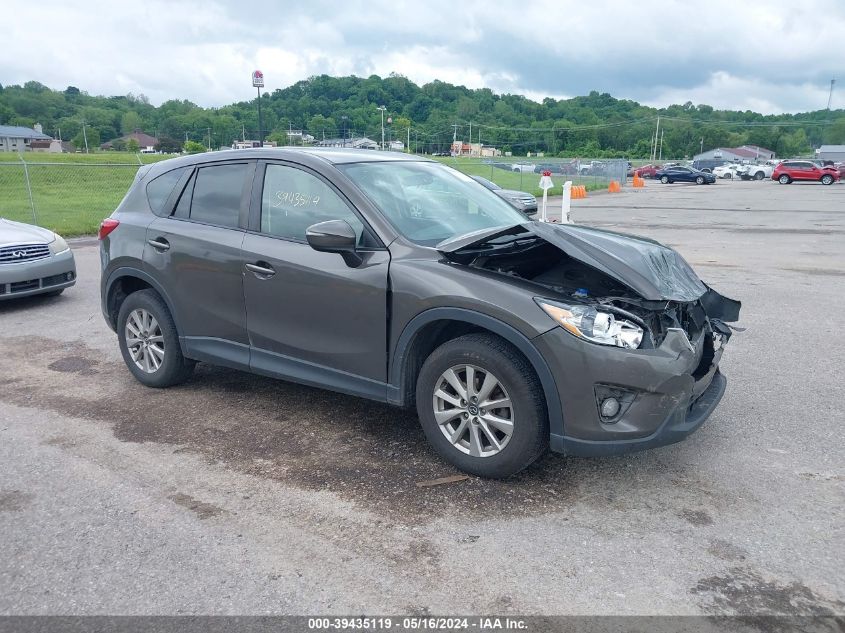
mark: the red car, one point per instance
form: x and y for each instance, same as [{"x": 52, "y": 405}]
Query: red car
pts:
[
  {"x": 790, "y": 170},
  {"x": 647, "y": 171}
]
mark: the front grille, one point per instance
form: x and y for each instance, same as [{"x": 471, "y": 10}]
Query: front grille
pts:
[{"x": 23, "y": 253}]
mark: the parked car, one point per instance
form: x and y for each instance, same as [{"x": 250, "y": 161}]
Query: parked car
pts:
[
  {"x": 841, "y": 169},
  {"x": 399, "y": 279},
  {"x": 728, "y": 170},
  {"x": 755, "y": 172},
  {"x": 33, "y": 260},
  {"x": 797, "y": 170},
  {"x": 519, "y": 200},
  {"x": 679, "y": 173},
  {"x": 708, "y": 164},
  {"x": 524, "y": 167},
  {"x": 647, "y": 171},
  {"x": 593, "y": 168}
]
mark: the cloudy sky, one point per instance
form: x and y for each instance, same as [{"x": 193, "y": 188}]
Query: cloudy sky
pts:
[{"x": 767, "y": 56}]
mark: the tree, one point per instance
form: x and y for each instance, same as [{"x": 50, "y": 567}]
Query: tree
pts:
[
  {"x": 130, "y": 122},
  {"x": 118, "y": 145},
  {"x": 192, "y": 147},
  {"x": 169, "y": 145},
  {"x": 132, "y": 145},
  {"x": 93, "y": 136}
]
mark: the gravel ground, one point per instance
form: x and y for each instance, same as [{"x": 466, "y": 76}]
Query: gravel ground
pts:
[{"x": 236, "y": 494}]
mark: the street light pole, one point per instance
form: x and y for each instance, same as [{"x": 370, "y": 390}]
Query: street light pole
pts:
[{"x": 382, "y": 109}]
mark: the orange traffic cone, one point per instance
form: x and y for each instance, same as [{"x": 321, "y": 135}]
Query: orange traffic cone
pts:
[{"x": 583, "y": 191}]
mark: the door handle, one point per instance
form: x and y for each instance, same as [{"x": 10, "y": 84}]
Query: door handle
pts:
[
  {"x": 160, "y": 244},
  {"x": 262, "y": 270}
]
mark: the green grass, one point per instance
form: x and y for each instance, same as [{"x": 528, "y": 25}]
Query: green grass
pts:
[
  {"x": 72, "y": 193},
  {"x": 76, "y": 191}
]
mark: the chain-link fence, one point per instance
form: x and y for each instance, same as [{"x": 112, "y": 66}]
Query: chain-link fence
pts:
[
  {"x": 523, "y": 174},
  {"x": 69, "y": 198},
  {"x": 72, "y": 198}
]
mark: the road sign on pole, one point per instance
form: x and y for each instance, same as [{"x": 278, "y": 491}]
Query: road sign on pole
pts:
[{"x": 258, "y": 83}]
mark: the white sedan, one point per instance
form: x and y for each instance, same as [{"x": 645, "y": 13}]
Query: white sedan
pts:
[{"x": 727, "y": 171}]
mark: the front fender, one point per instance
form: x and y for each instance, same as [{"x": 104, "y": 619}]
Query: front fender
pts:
[{"x": 398, "y": 380}]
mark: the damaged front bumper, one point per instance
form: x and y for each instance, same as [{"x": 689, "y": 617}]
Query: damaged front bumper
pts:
[{"x": 664, "y": 394}]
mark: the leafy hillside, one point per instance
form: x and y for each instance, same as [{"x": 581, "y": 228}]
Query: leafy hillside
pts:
[{"x": 592, "y": 125}]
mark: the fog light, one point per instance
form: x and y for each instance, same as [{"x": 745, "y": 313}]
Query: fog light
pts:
[
  {"x": 70, "y": 276},
  {"x": 609, "y": 407}
]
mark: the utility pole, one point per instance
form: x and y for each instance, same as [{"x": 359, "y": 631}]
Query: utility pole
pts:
[
  {"x": 661, "y": 145},
  {"x": 701, "y": 151},
  {"x": 830, "y": 95},
  {"x": 656, "y": 130},
  {"x": 382, "y": 109},
  {"x": 343, "y": 118},
  {"x": 408, "y": 146},
  {"x": 209, "y": 138},
  {"x": 85, "y": 136},
  {"x": 470, "y": 138}
]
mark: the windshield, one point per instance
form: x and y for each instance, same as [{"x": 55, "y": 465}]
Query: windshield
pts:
[{"x": 429, "y": 202}]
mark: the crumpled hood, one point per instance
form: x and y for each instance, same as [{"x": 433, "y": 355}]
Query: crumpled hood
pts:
[
  {"x": 652, "y": 270},
  {"x": 12, "y": 233}
]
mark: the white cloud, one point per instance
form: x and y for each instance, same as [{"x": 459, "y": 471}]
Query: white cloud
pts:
[{"x": 771, "y": 56}]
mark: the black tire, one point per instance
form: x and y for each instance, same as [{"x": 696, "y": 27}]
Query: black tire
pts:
[
  {"x": 759, "y": 175},
  {"x": 530, "y": 437},
  {"x": 728, "y": 175},
  {"x": 699, "y": 180},
  {"x": 784, "y": 179},
  {"x": 827, "y": 179},
  {"x": 175, "y": 368},
  {"x": 665, "y": 180}
]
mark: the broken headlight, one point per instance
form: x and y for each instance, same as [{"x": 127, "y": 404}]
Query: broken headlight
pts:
[{"x": 594, "y": 325}]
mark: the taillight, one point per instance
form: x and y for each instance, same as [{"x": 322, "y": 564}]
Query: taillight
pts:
[{"x": 107, "y": 226}]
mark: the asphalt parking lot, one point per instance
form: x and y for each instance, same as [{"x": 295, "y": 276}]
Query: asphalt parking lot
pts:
[{"x": 235, "y": 494}]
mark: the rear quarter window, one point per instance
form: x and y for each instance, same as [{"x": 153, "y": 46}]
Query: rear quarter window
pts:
[{"x": 160, "y": 188}]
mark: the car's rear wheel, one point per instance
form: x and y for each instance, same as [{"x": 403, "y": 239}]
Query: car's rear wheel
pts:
[
  {"x": 149, "y": 341},
  {"x": 784, "y": 179},
  {"x": 827, "y": 179},
  {"x": 728, "y": 175},
  {"x": 664, "y": 180},
  {"x": 759, "y": 175},
  {"x": 481, "y": 406},
  {"x": 699, "y": 180}
]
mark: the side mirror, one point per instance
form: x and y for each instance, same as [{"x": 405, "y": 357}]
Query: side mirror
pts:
[{"x": 334, "y": 236}]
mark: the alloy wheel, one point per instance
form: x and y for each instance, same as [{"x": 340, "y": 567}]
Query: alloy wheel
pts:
[
  {"x": 144, "y": 340},
  {"x": 473, "y": 410}
]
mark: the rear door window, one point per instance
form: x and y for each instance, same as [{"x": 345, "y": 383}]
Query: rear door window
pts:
[
  {"x": 217, "y": 195},
  {"x": 160, "y": 188}
]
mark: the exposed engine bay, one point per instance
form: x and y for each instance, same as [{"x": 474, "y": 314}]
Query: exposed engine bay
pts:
[{"x": 528, "y": 256}]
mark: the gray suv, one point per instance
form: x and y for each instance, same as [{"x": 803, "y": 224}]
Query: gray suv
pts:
[{"x": 399, "y": 279}]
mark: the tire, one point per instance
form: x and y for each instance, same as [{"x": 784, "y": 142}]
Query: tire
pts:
[
  {"x": 664, "y": 180},
  {"x": 699, "y": 180},
  {"x": 784, "y": 179},
  {"x": 827, "y": 179},
  {"x": 759, "y": 175},
  {"x": 728, "y": 175},
  {"x": 173, "y": 367},
  {"x": 516, "y": 383}
]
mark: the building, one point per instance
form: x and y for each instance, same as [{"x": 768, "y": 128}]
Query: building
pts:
[
  {"x": 16, "y": 138},
  {"x": 742, "y": 154},
  {"x": 361, "y": 142},
  {"x": 145, "y": 141},
  {"x": 836, "y": 153},
  {"x": 53, "y": 146}
]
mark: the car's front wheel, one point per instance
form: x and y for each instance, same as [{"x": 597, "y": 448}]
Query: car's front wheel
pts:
[
  {"x": 149, "y": 341},
  {"x": 699, "y": 180},
  {"x": 827, "y": 179},
  {"x": 759, "y": 175},
  {"x": 784, "y": 179},
  {"x": 664, "y": 180},
  {"x": 481, "y": 406}
]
